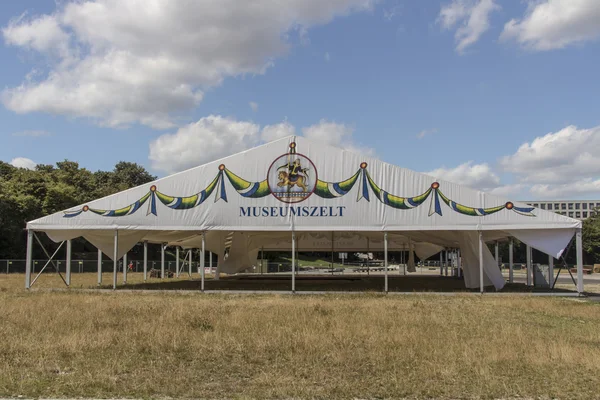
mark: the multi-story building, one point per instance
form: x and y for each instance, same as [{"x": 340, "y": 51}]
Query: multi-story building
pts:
[{"x": 580, "y": 209}]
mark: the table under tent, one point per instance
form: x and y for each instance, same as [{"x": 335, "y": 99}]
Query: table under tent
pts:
[{"x": 295, "y": 194}]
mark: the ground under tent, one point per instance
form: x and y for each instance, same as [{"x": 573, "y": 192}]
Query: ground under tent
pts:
[{"x": 296, "y": 194}]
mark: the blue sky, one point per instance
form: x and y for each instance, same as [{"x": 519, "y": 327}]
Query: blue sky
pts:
[{"x": 452, "y": 87}]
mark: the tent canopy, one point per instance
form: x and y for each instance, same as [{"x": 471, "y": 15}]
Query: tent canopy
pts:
[{"x": 297, "y": 185}]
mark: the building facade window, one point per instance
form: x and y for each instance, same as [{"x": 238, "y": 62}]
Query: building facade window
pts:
[
  {"x": 570, "y": 206},
  {"x": 584, "y": 206},
  {"x": 577, "y": 206},
  {"x": 563, "y": 206},
  {"x": 585, "y": 214},
  {"x": 577, "y": 214}
]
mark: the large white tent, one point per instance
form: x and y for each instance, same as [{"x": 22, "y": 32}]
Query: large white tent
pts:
[{"x": 296, "y": 193}]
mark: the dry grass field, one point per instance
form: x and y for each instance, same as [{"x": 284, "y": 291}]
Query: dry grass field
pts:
[{"x": 81, "y": 344}]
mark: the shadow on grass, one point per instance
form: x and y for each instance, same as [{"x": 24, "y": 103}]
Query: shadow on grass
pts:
[{"x": 415, "y": 283}]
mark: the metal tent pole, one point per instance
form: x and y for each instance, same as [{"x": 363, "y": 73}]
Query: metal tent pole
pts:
[
  {"x": 550, "y": 271},
  {"x": 529, "y": 267},
  {"x": 442, "y": 263},
  {"x": 68, "y": 262},
  {"x": 368, "y": 260},
  {"x": 481, "y": 244},
  {"x": 190, "y": 258},
  {"x": 162, "y": 261},
  {"x": 402, "y": 261},
  {"x": 177, "y": 260},
  {"x": 497, "y": 256},
  {"x": 29, "y": 260},
  {"x": 262, "y": 260},
  {"x": 447, "y": 262},
  {"x": 293, "y": 262},
  {"x": 210, "y": 268},
  {"x": 145, "y": 260},
  {"x": 579, "y": 250},
  {"x": 202, "y": 264},
  {"x": 458, "y": 263},
  {"x": 511, "y": 266},
  {"x": 125, "y": 268},
  {"x": 99, "y": 267},
  {"x": 115, "y": 258},
  {"x": 331, "y": 253},
  {"x": 385, "y": 260}
]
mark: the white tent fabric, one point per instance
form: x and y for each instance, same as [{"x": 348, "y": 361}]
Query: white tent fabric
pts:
[
  {"x": 551, "y": 243},
  {"x": 469, "y": 247},
  {"x": 295, "y": 184}
]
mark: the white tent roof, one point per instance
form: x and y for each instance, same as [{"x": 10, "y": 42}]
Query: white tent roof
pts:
[{"x": 295, "y": 184}]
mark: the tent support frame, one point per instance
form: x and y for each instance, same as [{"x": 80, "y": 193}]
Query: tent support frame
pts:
[
  {"x": 511, "y": 266},
  {"x": 115, "y": 258},
  {"x": 202, "y": 262},
  {"x": 481, "y": 244},
  {"x": 385, "y": 260},
  {"x": 145, "y": 260},
  {"x": 99, "y": 267},
  {"x": 529, "y": 266},
  {"x": 458, "y": 264},
  {"x": 163, "y": 247},
  {"x": 68, "y": 263},
  {"x": 29, "y": 262},
  {"x": 566, "y": 266},
  {"x": 293, "y": 262},
  {"x": 187, "y": 259},
  {"x": 550, "y": 271},
  {"x": 125, "y": 268}
]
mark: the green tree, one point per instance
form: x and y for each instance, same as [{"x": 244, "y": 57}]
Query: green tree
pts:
[
  {"x": 591, "y": 239},
  {"x": 26, "y": 195},
  {"x": 127, "y": 175}
]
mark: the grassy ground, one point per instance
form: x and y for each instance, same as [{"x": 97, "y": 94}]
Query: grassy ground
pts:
[{"x": 246, "y": 346}]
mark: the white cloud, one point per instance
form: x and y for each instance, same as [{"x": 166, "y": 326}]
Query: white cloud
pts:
[
  {"x": 210, "y": 138},
  {"x": 32, "y": 133},
  {"x": 473, "y": 18},
  {"x": 558, "y": 165},
  {"x": 253, "y": 106},
  {"x": 394, "y": 11},
  {"x": 555, "y": 24},
  {"x": 426, "y": 132},
  {"x": 277, "y": 131},
  {"x": 22, "y": 162},
  {"x": 215, "y": 137},
  {"x": 125, "y": 61},
  {"x": 557, "y": 158},
  {"x": 42, "y": 34},
  {"x": 568, "y": 191},
  {"x": 514, "y": 191},
  {"x": 327, "y": 57},
  {"x": 478, "y": 176},
  {"x": 335, "y": 134}
]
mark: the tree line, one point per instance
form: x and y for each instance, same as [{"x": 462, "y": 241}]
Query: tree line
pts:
[{"x": 26, "y": 195}]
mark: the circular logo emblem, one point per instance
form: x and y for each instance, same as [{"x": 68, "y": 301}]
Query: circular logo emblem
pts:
[{"x": 292, "y": 178}]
